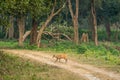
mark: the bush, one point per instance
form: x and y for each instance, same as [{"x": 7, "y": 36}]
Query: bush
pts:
[{"x": 81, "y": 49}]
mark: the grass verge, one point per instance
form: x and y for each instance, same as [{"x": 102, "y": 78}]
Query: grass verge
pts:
[{"x": 15, "y": 68}]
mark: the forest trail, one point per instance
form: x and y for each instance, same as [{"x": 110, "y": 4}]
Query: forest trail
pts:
[{"x": 88, "y": 72}]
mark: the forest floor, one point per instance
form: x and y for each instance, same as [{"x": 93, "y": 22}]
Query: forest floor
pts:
[{"x": 88, "y": 72}]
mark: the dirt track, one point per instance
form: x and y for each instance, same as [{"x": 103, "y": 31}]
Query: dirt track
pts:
[{"x": 89, "y": 72}]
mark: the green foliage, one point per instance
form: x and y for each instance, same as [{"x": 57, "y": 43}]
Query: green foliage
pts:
[
  {"x": 16, "y": 7},
  {"x": 59, "y": 28},
  {"x": 102, "y": 35},
  {"x": 109, "y": 10},
  {"x": 112, "y": 50},
  {"x": 81, "y": 49},
  {"x": 106, "y": 51},
  {"x": 38, "y": 8},
  {"x": 64, "y": 46},
  {"x": 4, "y": 20},
  {"x": 21, "y": 8},
  {"x": 32, "y": 47},
  {"x": 8, "y": 44},
  {"x": 109, "y": 56}
]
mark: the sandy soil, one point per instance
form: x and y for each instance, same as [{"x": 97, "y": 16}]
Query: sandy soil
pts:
[{"x": 89, "y": 72}]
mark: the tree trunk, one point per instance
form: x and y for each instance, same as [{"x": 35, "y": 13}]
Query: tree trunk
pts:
[
  {"x": 76, "y": 35},
  {"x": 91, "y": 27},
  {"x": 108, "y": 30},
  {"x": 21, "y": 26},
  {"x": 117, "y": 31},
  {"x": 39, "y": 36},
  {"x": 26, "y": 34},
  {"x": 33, "y": 34},
  {"x": 75, "y": 20},
  {"x": 53, "y": 13},
  {"x": 11, "y": 28},
  {"x": 94, "y": 21}
]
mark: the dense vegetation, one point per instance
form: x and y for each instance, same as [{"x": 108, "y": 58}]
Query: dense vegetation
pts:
[
  {"x": 106, "y": 51},
  {"x": 56, "y": 17},
  {"x": 58, "y": 26}
]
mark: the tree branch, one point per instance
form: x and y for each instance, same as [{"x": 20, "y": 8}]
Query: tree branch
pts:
[
  {"x": 67, "y": 37},
  {"x": 77, "y": 8},
  {"x": 53, "y": 9},
  {"x": 26, "y": 34},
  {"x": 70, "y": 7},
  {"x": 59, "y": 9}
]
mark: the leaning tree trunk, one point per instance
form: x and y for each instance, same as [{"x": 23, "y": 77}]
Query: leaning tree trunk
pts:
[
  {"x": 94, "y": 21},
  {"x": 108, "y": 30},
  {"x": 11, "y": 28},
  {"x": 53, "y": 13},
  {"x": 39, "y": 36},
  {"x": 33, "y": 34},
  {"x": 21, "y": 26}
]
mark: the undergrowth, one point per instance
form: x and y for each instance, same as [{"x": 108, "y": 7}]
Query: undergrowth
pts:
[{"x": 106, "y": 51}]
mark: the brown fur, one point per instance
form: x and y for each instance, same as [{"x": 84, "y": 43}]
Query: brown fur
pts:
[{"x": 60, "y": 56}]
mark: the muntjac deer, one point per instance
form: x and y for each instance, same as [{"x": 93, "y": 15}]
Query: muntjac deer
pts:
[{"x": 60, "y": 56}]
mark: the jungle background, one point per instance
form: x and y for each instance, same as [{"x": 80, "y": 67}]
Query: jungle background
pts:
[{"x": 88, "y": 30}]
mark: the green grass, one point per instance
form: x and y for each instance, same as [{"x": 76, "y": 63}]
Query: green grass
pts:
[
  {"x": 8, "y": 44},
  {"x": 15, "y": 68},
  {"x": 103, "y": 55}
]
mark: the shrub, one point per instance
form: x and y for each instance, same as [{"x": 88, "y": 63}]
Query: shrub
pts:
[{"x": 81, "y": 49}]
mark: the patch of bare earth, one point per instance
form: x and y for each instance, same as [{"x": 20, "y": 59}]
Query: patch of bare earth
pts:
[{"x": 88, "y": 72}]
